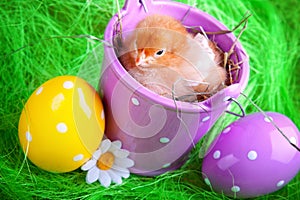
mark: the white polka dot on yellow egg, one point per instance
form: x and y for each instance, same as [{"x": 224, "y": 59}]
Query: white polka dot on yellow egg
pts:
[
  {"x": 61, "y": 127},
  {"x": 68, "y": 84},
  {"x": 66, "y": 124},
  {"x": 39, "y": 91},
  {"x": 78, "y": 157},
  {"x": 28, "y": 136}
]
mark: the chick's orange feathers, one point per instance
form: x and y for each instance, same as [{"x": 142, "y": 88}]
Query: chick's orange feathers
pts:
[{"x": 162, "y": 55}]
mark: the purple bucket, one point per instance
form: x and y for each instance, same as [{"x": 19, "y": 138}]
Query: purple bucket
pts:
[{"x": 160, "y": 132}]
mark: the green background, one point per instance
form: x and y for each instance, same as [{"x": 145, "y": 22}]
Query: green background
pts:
[{"x": 36, "y": 46}]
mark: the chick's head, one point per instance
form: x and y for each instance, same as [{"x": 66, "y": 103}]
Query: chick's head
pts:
[{"x": 158, "y": 46}]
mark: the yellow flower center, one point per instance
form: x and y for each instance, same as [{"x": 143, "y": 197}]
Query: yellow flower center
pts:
[{"x": 106, "y": 161}]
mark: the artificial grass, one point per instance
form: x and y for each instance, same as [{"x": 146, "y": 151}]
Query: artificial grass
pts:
[{"x": 35, "y": 46}]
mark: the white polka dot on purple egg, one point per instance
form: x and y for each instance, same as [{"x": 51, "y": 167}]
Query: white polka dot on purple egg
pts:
[
  {"x": 235, "y": 188},
  {"x": 207, "y": 182},
  {"x": 226, "y": 130},
  {"x": 252, "y": 155},
  {"x": 268, "y": 119},
  {"x": 217, "y": 154},
  {"x": 280, "y": 183}
]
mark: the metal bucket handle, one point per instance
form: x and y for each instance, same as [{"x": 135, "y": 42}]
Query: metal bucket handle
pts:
[
  {"x": 137, "y": 4},
  {"x": 231, "y": 99}
]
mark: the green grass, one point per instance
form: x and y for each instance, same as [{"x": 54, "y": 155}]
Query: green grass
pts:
[{"x": 35, "y": 48}]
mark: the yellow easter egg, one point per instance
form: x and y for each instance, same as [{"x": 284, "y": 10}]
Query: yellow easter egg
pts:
[{"x": 61, "y": 124}]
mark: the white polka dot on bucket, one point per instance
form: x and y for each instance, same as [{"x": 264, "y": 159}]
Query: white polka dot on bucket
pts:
[
  {"x": 135, "y": 101},
  {"x": 235, "y": 188},
  {"x": 226, "y": 98},
  {"x": 164, "y": 140},
  {"x": 78, "y": 157},
  {"x": 61, "y": 127},
  {"x": 68, "y": 84},
  {"x": 166, "y": 165},
  {"x": 252, "y": 155},
  {"x": 205, "y": 118},
  {"x": 217, "y": 154}
]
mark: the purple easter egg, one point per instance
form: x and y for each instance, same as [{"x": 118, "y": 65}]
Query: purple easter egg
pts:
[{"x": 251, "y": 158}]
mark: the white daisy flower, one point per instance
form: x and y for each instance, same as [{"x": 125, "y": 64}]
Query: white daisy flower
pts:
[{"x": 108, "y": 164}]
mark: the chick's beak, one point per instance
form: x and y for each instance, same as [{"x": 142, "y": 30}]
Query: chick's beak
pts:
[{"x": 140, "y": 59}]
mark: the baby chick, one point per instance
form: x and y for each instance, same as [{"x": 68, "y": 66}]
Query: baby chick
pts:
[{"x": 164, "y": 57}]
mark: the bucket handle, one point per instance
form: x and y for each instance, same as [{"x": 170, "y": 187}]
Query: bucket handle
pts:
[
  {"x": 231, "y": 99},
  {"x": 135, "y": 4},
  {"x": 132, "y": 4}
]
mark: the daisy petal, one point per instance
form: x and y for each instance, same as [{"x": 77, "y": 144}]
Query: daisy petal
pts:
[
  {"x": 117, "y": 144},
  {"x": 121, "y": 153},
  {"x": 120, "y": 169},
  {"x": 104, "y": 178},
  {"x": 105, "y": 145},
  {"x": 97, "y": 154},
  {"x": 122, "y": 172},
  {"x": 115, "y": 177},
  {"x": 92, "y": 175},
  {"x": 124, "y": 162},
  {"x": 88, "y": 165}
]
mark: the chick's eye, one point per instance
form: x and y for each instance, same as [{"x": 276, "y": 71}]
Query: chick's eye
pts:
[{"x": 160, "y": 52}]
